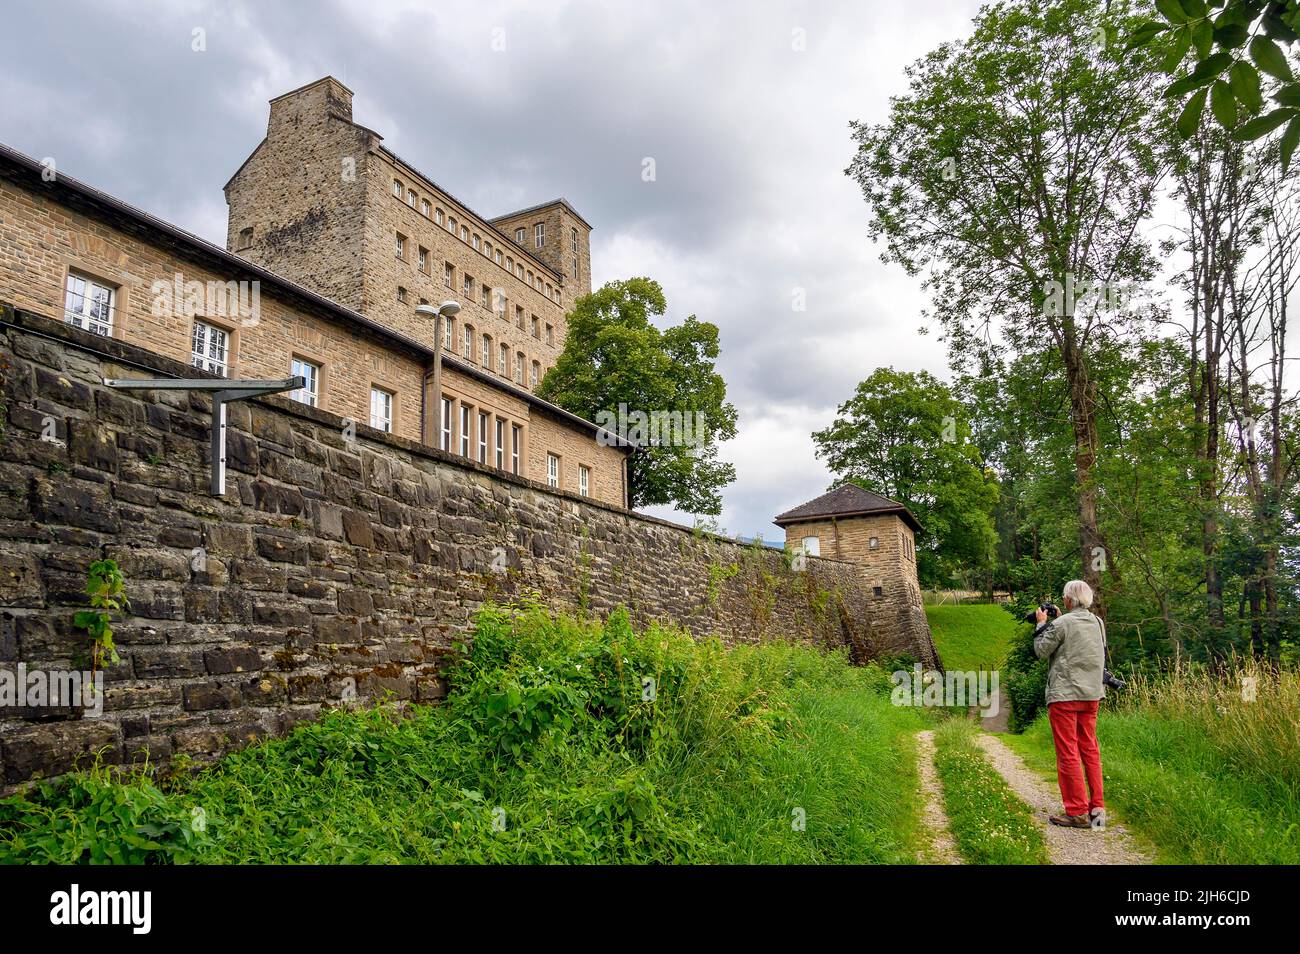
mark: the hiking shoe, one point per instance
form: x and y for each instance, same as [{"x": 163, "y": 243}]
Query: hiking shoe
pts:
[
  {"x": 1071, "y": 821},
  {"x": 1098, "y": 818}
]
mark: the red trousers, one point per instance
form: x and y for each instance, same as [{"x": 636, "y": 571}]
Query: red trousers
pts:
[{"x": 1074, "y": 730}]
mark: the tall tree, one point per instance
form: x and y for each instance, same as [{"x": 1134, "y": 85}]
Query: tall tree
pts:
[
  {"x": 904, "y": 435},
  {"x": 1014, "y": 175},
  {"x": 658, "y": 389}
]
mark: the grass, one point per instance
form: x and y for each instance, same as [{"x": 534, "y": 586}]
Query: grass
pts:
[
  {"x": 972, "y": 636},
  {"x": 561, "y": 741},
  {"x": 989, "y": 823},
  {"x": 1205, "y": 776}
]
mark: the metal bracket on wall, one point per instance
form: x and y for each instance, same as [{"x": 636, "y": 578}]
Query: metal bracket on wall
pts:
[{"x": 223, "y": 392}]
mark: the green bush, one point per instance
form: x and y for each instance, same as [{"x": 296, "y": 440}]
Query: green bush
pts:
[
  {"x": 1026, "y": 680},
  {"x": 560, "y": 741}
]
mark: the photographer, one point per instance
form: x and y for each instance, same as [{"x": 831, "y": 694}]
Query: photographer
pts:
[{"x": 1075, "y": 643}]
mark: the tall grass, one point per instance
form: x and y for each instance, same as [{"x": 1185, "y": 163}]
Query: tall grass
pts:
[
  {"x": 560, "y": 741},
  {"x": 1207, "y": 776},
  {"x": 972, "y": 637}
]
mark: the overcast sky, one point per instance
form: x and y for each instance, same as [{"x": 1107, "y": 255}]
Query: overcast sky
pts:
[{"x": 743, "y": 106}]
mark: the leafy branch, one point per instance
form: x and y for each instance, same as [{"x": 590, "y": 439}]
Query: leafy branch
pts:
[{"x": 106, "y": 588}]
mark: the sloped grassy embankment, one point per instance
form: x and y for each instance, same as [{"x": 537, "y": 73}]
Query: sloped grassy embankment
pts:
[{"x": 554, "y": 745}]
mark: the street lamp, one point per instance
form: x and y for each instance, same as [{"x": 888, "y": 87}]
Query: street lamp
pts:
[{"x": 447, "y": 308}]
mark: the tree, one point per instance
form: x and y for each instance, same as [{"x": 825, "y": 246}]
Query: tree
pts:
[
  {"x": 1230, "y": 43},
  {"x": 658, "y": 389},
  {"x": 1014, "y": 175},
  {"x": 904, "y": 435}
]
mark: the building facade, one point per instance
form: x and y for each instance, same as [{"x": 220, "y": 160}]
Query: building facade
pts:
[
  {"x": 324, "y": 269},
  {"x": 854, "y": 525}
]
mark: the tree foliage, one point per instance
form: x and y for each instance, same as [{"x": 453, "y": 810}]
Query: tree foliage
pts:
[
  {"x": 617, "y": 366},
  {"x": 904, "y": 435}
]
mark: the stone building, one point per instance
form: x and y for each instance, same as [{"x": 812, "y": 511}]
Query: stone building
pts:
[
  {"x": 324, "y": 267},
  {"x": 852, "y": 524}
]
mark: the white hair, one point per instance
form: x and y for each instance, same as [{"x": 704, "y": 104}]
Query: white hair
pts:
[{"x": 1079, "y": 593}]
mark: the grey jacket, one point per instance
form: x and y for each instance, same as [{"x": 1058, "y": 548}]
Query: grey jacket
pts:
[{"x": 1075, "y": 642}]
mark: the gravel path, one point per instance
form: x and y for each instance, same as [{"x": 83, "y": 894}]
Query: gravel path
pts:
[
  {"x": 1066, "y": 846},
  {"x": 943, "y": 850}
]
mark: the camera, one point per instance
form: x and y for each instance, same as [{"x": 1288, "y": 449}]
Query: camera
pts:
[{"x": 1052, "y": 610}]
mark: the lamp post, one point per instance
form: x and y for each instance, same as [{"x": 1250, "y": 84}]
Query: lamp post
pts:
[{"x": 448, "y": 309}]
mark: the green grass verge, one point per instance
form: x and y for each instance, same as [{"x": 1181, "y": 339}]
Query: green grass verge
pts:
[
  {"x": 989, "y": 823},
  {"x": 551, "y": 747},
  {"x": 1174, "y": 786},
  {"x": 971, "y": 636}
]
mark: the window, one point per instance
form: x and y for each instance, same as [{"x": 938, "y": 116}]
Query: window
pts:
[
  {"x": 496, "y": 256},
  {"x": 539, "y": 234},
  {"x": 381, "y": 410},
  {"x": 812, "y": 546},
  {"x": 877, "y": 591},
  {"x": 519, "y": 271},
  {"x": 536, "y": 327},
  {"x": 449, "y": 275},
  {"x": 401, "y": 246},
  {"x": 446, "y": 424},
  {"x": 208, "y": 348},
  {"x": 410, "y": 198},
  {"x": 575, "y": 267},
  {"x": 482, "y": 437},
  {"x": 516, "y": 446},
  {"x": 519, "y": 367},
  {"x": 468, "y": 286},
  {"x": 485, "y": 296},
  {"x": 487, "y": 249},
  {"x": 485, "y": 353},
  {"x": 503, "y": 366},
  {"x": 510, "y": 264},
  {"x": 397, "y": 189},
  {"x": 584, "y": 481},
  {"x": 550, "y": 335},
  {"x": 309, "y": 393},
  {"x": 424, "y": 207},
  {"x": 401, "y": 294},
  {"x": 449, "y": 334},
  {"x": 519, "y": 316},
  {"x": 873, "y": 543},
  {"x": 246, "y": 238},
  {"x": 464, "y": 234},
  {"x": 424, "y": 259},
  {"x": 552, "y": 470},
  {"x": 519, "y": 236},
  {"x": 550, "y": 292},
  {"x": 451, "y": 225},
  {"x": 437, "y": 216},
  {"x": 530, "y": 277},
  {"x": 573, "y": 240},
  {"x": 475, "y": 242},
  {"x": 501, "y": 444},
  {"x": 89, "y": 304},
  {"x": 464, "y": 431},
  {"x": 533, "y": 374},
  {"x": 467, "y": 342}
]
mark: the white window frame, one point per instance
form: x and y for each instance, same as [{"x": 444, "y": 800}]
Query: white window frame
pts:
[
  {"x": 486, "y": 355},
  {"x": 584, "y": 480},
  {"x": 465, "y": 419},
  {"x": 85, "y": 315},
  {"x": 309, "y": 393},
  {"x": 516, "y": 442},
  {"x": 483, "y": 420},
  {"x": 381, "y": 409},
  {"x": 445, "y": 435},
  {"x": 501, "y": 444},
  {"x": 812, "y": 546},
  {"x": 519, "y": 235},
  {"x": 539, "y": 234},
  {"x": 552, "y": 470},
  {"x": 467, "y": 342},
  {"x": 203, "y": 338}
]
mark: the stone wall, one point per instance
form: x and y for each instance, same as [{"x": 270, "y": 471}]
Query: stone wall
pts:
[{"x": 331, "y": 566}]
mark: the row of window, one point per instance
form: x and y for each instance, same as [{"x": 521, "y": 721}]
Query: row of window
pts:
[
  {"x": 481, "y": 245},
  {"x": 481, "y": 435}
]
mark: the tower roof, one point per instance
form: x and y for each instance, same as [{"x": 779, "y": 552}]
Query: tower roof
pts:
[{"x": 847, "y": 500}]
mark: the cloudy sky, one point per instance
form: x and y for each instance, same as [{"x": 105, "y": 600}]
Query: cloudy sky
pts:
[{"x": 744, "y": 107}]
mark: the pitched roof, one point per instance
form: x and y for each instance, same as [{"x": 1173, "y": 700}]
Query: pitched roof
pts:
[{"x": 847, "y": 500}]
